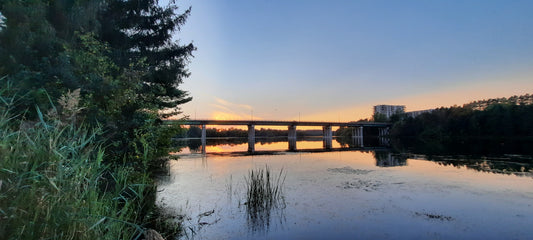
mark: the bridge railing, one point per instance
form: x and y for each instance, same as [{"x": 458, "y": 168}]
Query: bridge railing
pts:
[{"x": 278, "y": 123}]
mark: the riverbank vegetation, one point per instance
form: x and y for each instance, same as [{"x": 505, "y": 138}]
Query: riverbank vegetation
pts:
[
  {"x": 55, "y": 183},
  {"x": 84, "y": 86},
  {"x": 501, "y": 118},
  {"x": 491, "y": 118},
  {"x": 491, "y": 127}
]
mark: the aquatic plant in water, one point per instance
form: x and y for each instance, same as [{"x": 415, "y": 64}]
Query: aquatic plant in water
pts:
[{"x": 264, "y": 191}]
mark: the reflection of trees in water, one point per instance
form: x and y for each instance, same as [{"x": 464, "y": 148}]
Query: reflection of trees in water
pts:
[
  {"x": 194, "y": 145},
  {"x": 510, "y": 156},
  {"x": 516, "y": 165},
  {"x": 504, "y": 156},
  {"x": 368, "y": 141},
  {"x": 389, "y": 159},
  {"x": 464, "y": 146}
]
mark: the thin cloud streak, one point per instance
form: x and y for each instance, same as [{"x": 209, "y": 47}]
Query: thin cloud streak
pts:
[{"x": 226, "y": 110}]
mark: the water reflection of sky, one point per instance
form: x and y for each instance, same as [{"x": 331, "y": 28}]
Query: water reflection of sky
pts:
[{"x": 346, "y": 195}]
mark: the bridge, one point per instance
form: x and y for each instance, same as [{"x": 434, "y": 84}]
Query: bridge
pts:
[{"x": 326, "y": 129}]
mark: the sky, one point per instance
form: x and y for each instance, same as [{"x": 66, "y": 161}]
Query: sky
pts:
[{"x": 334, "y": 60}]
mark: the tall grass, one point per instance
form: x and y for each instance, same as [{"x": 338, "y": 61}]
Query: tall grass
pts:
[
  {"x": 264, "y": 190},
  {"x": 54, "y": 183},
  {"x": 264, "y": 193}
]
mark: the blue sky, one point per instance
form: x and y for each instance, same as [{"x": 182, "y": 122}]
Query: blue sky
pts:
[{"x": 334, "y": 60}]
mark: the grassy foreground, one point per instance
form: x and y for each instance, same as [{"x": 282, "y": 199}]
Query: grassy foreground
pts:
[{"x": 54, "y": 185}]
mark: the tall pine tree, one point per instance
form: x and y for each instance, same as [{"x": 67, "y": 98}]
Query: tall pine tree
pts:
[
  {"x": 122, "y": 54},
  {"x": 141, "y": 32}
]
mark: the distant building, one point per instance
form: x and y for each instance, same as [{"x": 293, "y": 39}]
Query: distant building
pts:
[{"x": 389, "y": 110}]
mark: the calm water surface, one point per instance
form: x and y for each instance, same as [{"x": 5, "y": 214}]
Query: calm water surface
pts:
[{"x": 351, "y": 195}]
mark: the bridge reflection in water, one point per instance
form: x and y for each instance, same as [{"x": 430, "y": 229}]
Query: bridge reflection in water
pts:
[{"x": 267, "y": 145}]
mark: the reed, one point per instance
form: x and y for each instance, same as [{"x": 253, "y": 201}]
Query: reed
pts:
[
  {"x": 263, "y": 189},
  {"x": 54, "y": 183}
]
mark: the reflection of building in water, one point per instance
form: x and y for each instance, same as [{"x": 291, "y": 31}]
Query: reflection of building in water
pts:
[
  {"x": 389, "y": 110},
  {"x": 384, "y": 141},
  {"x": 387, "y": 159}
]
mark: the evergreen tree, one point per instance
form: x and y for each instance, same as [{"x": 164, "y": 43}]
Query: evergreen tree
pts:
[
  {"x": 141, "y": 32},
  {"x": 120, "y": 54}
]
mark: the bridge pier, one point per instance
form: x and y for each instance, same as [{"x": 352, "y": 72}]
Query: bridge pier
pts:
[
  {"x": 292, "y": 144},
  {"x": 251, "y": 138},
  {"x": 383, "y": 136},
  {"x": 292, "y": 137},
  {"x": 328, "y": 136},
  {"x": 204, "y": 137},
  {"x": 292, "y": 132},
  {"x": 357, "y": 136},
  {"x": 383, "y": 132}
]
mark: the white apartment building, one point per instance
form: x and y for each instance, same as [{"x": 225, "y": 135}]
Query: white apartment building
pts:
[{"x": 389, "y": 110}]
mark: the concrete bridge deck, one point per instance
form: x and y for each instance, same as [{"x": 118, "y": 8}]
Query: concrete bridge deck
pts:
[
  {"x": 326, "y": 127},
  {"x": 278, "y": 123}
]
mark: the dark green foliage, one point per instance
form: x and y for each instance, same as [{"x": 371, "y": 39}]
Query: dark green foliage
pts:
[
  {"x": 379, "y": 117},
  {"x": 127, "y": 69},
  {"x": 49, "y": 177},
  {"x": 56, "y": 184},
  {"x": 526, "y": 99},
  {"x": 498, "y": 120},
  {"x": 194, "y": 132},
  {"x": 34, "y": 47},
  {"x": 141, "y": 31},
  {"x": 345, "y": 132},
  {"x": 120, "y": 58}
]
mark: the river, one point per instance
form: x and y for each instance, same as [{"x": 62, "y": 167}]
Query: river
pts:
[{"x": 370, "y": 193}]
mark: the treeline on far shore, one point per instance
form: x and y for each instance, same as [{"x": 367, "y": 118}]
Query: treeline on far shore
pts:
[{"x": 497, "y": 120}]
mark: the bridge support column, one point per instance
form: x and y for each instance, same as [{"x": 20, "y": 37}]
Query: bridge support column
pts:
[
  {"x": 328, "y": 136},
  {"x": 292, "y": 137},
  {"x": 383, "y": 136},
  {"x": 204, "y": 137},
  {"x": 383, "y": 132},
  {"x": 292, "y": 132},
  {"x": 292, "y": 144},
  {"x": 251, "y": 138},
  {"x": 358, "y": 136}
]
